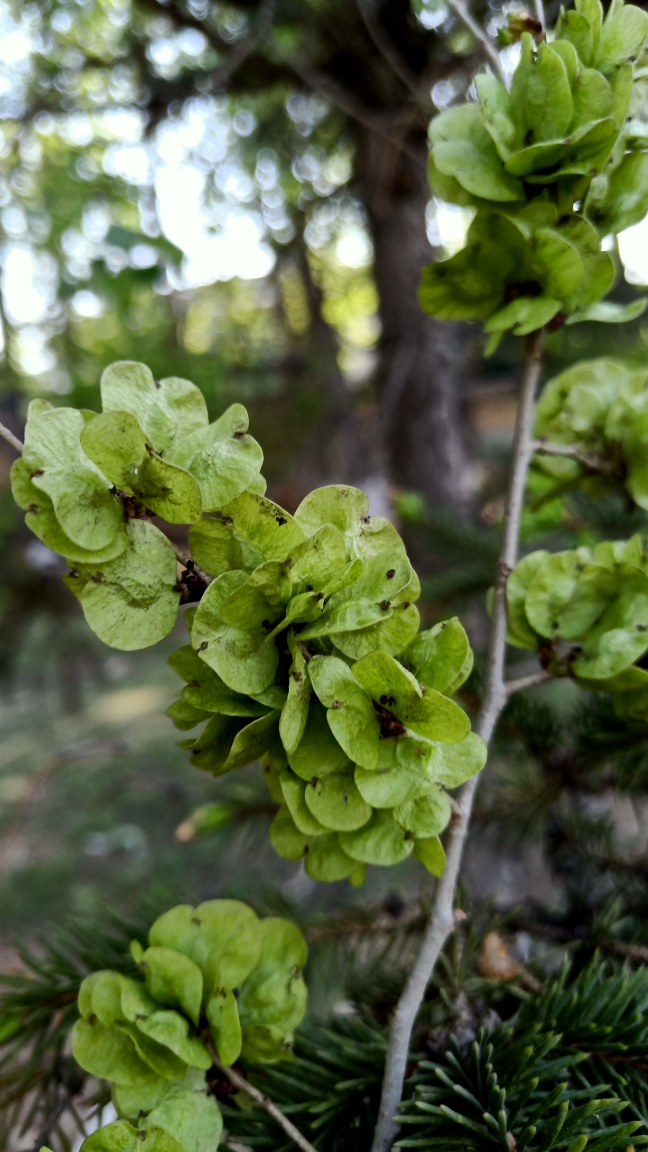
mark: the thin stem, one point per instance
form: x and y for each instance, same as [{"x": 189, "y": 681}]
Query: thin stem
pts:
[
  {"x": 442, "y": 915},
  {"x": 461, "y": 10},
  {"x": 11, "y": 439},
  {"x": 513, "y": 686},
  {"x": 191, "y": 565},
  {"x": 265, "y": 1102},
  {"x": 388, "y": 50},
  {"x": 540, "y": 13},
  {"x": 569, "y": 452}
]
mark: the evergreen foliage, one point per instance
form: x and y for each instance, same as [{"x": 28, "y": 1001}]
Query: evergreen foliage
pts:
[{"x": 558, "y": 1075}]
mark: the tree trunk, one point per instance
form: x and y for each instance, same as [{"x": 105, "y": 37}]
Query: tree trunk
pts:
[{"x": 420, "y": 358}]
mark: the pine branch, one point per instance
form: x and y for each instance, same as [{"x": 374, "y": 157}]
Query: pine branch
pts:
[{"x": 532, "y": 1083}]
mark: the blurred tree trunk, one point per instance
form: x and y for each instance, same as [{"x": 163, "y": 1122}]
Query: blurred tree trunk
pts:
[{"x": 421, "y": 359}]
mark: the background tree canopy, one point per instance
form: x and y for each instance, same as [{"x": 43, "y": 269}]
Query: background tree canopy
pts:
[{"x": 237, "y": 194}]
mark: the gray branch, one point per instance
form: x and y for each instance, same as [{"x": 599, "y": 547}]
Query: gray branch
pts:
[
  {"x": 570, "y": 452},
  {"x": 264, "y": 1102},
  {"x": 11, "y": 439},
  {"x": 535, "y": 678},
  {"x": 461, "y": 10},
  {"x": 443, "y": 915},
  {"x": 191, "y": 565},
  {"x": 388, "y": 50}
]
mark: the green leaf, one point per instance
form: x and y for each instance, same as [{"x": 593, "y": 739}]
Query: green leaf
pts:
[
  {"x": 593, "y": 97},
  {"x": 53, "y": 437},
  {"x": 381, "y": 841},
  {"x": 294, "y": 791},
  {"x": 318, "y": 752},
  {"x": 41, "y": 520},
  {"x": 621, "y": 634},
  {"x": 264, "y": 530},
  {"x": 391, "y": 635},
  {"x": 429, "y": 852},
  {"x": 426, "y": 816},
  {"x": 86, "y": 509},
  {"x": 207, "y": 691},
  {"x": 345, "y": 617},
  {"x": 215, "y": 547},
  {"x": 116, "y": 443},
  {"x": 539, "y": 158},
  {"x": 607, "y": 312},
  {"x": 520, "y": 632},
  {"x": 318, "y": 560},
  {"x": 223, "y": 458},
  {"x": 273, "y": 697},
  {"x": 387, "y": 681},
  {"x": 220, "y": 936},
  {"x": 163, "y": 1061},
  {"x": 173, "y": 979},
  {"x": 567, "y": 596},
  {"x": 129, "y": 1102},
  {"x": 274, "y": 997},
  {"x": 225, "y": 1026},
  {"x": 116, "y": 1137},
  {"x": 336, "y": 802},
  {"x": 461, "y": 761},
  {"x": 127, "y": 386},
  {"x": 105, "y": 991},
  {"x": 178, "y": 410},
  {"x": 273, "y": 763},
  {"x": 186, "y": 663},
  {"x": 593, "y": 11},
  {"x": 406, "y": 770},
  {"x": 191, "y": 1118},
  {"x": 622, "y": 38},
  {"x": 135, "y": 999},
  {"x": 569, "y": 57},
  {"x": 471, "y": 285},
  {"x": 576, "y": 28},
  {"x": 286, "y": 838},
  {"x": 336, "y": 504},
  {"x": 132, "y": 602},
  {"x": 498, "y": 114},
  {"x": 379, "y": 579},
  {"x": 294, "y": 714},
  {"x": 524, "y": 315},
  {"x": 441, "y": 657},
  {"x": 109, "y": 1054},
  {"x": 327, "y": 861},
  {"x": 282, "y": 943},
  {"x": 171, "y": 1030},
  {"x": 258, "y": 602},
  {"x": 245, "y": 660},
  {"x": 250, "y": 743},
  {"x": 350, "y": 714},
  {"x": 168, "y": 491},
  {"x": 435, "y": 717},
  {"x": 560, "y": 267},
  {"x": 212, "y": 748},
  {"x": 541, "y": 94},
  {"x": 626, "y": 195},
  {"x": 463, "y": 148},
  {"x": 635, "y": 452}
]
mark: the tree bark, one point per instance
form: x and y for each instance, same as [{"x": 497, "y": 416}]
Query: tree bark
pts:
[{"x": 421, "y": 358}]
